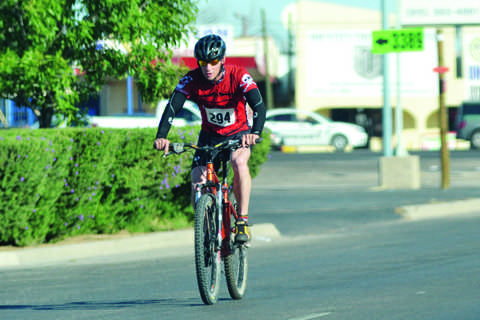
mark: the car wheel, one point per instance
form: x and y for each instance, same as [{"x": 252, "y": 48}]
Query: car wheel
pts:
[
  {"x": 339, "y": 142},
  {"x": 475, "y": 140}
]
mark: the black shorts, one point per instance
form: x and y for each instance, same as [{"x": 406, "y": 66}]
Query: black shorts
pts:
[{"x": 205, "y": 139}]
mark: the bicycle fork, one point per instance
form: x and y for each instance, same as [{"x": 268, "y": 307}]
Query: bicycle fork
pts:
[{"x": 213, "y": 185}]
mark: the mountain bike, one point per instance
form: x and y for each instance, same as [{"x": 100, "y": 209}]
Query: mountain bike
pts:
[{"x": 214, "y": 227}]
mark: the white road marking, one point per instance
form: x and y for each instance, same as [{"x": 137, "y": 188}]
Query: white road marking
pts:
[{"x": 312, "y": 316}]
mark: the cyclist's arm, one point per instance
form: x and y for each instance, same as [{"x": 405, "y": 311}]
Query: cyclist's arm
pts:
[
  {"x": 174, "y": 105},
  {"x": 255, "y": 101}
]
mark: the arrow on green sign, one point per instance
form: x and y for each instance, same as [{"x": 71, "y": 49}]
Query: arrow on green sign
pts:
[
  {"x": 402, "y": 40},
  {"x": 381, "y": 41}
]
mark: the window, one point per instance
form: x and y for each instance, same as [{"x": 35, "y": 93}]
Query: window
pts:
[{"x": 471, "y": 108}]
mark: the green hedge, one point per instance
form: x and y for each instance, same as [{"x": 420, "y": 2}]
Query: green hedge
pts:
[{"x": 58, "y": 183}]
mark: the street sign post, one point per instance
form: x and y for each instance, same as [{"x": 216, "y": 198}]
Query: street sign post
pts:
[{"x": 402, "y": 40}]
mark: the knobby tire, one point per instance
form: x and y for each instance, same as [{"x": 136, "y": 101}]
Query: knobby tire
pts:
[
  {"x": 207, "y": 255},
  {"x": 236, "y": 264}
]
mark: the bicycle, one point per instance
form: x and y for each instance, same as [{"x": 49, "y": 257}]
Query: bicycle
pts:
[{"x": 214, "y": 228}]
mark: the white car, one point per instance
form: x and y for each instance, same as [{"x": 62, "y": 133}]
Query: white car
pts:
[
  {"x": 189, "y": 115},
  {"x": 294, "y": 127}
]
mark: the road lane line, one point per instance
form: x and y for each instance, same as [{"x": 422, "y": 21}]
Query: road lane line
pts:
[{"x": 312, "y": 316}]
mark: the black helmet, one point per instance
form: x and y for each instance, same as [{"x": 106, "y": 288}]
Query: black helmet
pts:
[{"x": 209, "y": 48}]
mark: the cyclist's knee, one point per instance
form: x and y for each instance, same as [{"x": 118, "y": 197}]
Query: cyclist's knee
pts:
[{"x": 239, "y": 160}]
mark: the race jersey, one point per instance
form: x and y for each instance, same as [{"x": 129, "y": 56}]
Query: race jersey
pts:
[{"x": 222, "y": 104}]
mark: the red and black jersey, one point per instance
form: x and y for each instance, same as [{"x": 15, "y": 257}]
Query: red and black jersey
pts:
[{"x": 222, "y": 104}]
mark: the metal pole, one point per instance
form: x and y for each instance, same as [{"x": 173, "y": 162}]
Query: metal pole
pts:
[
  {"x": 387, "y": 108},
  {"x": 400, "y": 150},
  {"x": 129, "y": 96},
  {"x": 9, "y": 112}
]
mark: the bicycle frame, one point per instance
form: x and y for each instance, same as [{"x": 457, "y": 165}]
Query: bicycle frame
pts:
[{"x": 218, "y": 190}]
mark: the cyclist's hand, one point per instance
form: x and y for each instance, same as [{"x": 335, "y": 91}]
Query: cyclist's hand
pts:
[
  {"x": 162, "y": 144},
  {"x": 249, "y": 139}
]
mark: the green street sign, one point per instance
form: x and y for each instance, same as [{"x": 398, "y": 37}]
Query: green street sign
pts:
[{"x": 402, "y": 40}]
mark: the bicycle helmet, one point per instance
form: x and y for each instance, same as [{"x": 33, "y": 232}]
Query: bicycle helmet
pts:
[{"x": 209, "y": 48}]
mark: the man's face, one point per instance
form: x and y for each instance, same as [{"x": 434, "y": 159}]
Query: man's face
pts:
[{"x": 211, "y": 69}]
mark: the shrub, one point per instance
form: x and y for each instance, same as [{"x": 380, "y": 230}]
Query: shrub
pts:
[{"x": 57, "y": 183}]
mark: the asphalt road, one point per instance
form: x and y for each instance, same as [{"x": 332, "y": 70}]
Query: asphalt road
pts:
[{"x": 344, "y": 254}]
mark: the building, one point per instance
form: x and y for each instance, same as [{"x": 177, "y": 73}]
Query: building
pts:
[{"x": 338, "y": 76}]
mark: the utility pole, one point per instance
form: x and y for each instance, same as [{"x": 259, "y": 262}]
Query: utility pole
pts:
[
  {"x": 387, "y": 108},
  {"x": 445, "y": 157},
  {"x": 291, "y": 90},
  {"x": 268, "y": 83},
  {"x": 243, "y": 20}
]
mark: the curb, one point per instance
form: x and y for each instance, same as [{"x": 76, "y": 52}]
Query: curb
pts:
[
  {"x": 312, "y": 149},
  {"x": 51, "y": 254},
  {"x": 440, "y": 209}
]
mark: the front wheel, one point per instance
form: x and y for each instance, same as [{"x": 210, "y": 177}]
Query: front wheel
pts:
[
  {"x": 339, "y": 142},
  {"x": 236, "y": 263},
  {"x": 207, "y": 254}
]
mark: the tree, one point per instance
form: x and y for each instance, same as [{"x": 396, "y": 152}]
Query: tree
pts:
[{"x": 43, "y": 41}]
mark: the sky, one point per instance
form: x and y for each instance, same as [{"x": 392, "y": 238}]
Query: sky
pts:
[{"x": 233, "y": 11}]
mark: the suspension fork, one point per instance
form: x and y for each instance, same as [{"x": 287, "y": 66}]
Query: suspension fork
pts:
[{"x": 213, "y": 185}]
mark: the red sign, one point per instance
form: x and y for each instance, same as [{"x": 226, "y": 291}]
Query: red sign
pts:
[{"x": 440, "y": 69}]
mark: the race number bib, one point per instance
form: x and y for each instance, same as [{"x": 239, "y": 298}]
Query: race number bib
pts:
[{"x": 221, "y": 117}]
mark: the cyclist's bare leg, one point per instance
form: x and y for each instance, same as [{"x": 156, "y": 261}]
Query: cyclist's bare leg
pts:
[
  {"x": 242, "y": 181},
  {"x": 198, "y": 176}
]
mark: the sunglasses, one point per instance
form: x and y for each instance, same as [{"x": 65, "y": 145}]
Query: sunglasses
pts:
[{"x": 204, "y": 63}]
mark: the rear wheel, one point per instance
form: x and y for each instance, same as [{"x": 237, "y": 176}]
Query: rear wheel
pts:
[
  {"x": 207, "y": 255},
  {"x": 236, "y": 263}
]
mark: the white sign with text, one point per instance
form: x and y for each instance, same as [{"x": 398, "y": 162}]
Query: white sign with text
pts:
[
  {"x": 341, "y": 62},
  {"x": 471, "y": 62},
  {"x": 439, "y": 12}
]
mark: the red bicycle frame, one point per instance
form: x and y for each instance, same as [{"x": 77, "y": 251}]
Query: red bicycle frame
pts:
[{"x": 227, "y": 207}]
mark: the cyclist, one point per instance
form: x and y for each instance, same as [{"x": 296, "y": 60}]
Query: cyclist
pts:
[{"x": 221, "y": 92}]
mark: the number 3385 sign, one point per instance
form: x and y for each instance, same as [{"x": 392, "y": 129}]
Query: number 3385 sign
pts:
[{"x": 401, "y": 40}]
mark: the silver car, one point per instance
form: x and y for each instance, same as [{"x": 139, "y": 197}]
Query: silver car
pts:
[{"x": 294, "y": 127}]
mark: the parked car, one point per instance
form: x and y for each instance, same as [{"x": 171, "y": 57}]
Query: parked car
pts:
[
  {"x": 189, "y": 115},
  {"x": 293, "y": 127},
  {"x": 468, "y": 123}
]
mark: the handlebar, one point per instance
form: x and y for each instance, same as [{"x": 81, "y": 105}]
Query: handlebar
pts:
[{"x": 228, "y": 144}]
